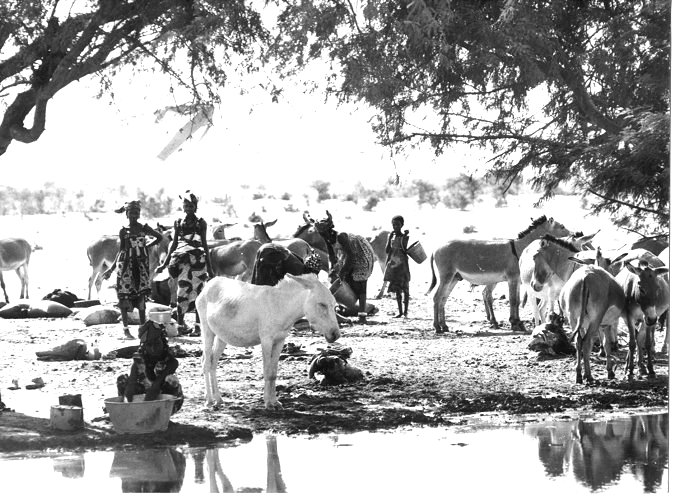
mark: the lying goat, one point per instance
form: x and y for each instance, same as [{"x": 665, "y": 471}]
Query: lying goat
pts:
[{"x": 243, "y": 315}]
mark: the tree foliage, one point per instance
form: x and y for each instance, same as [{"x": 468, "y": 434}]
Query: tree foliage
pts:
[
  {"x": 441, "y": 72},
  {"x": 46, "y": 45}
]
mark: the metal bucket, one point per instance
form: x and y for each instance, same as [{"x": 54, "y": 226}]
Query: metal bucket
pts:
[
  {"x": 343, "y": 293},
  {"x": 416, "y": 252}
]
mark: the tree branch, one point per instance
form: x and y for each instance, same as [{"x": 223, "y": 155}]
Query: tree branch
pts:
[{"x": 625, "y": 203}]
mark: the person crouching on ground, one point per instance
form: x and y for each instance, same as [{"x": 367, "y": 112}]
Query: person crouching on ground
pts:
[
  {"x": 357, "y": 266},
  {"x": 153, "y": 371},
  {"x": 189, "y": 262},
  {"x": 133, "y": 264},
  {"x": 397, "y": 271}
]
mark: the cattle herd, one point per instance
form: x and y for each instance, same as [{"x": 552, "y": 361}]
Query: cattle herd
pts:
[{"x": 548, "y": 266}]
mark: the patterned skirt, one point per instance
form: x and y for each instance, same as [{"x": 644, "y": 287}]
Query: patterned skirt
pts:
[
  {"x": 133, "y": 278},
  {"x": 188, "y": 268}
]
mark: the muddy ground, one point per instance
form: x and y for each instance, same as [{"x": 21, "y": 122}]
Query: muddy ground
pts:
[{"x": 413, "y": 376}]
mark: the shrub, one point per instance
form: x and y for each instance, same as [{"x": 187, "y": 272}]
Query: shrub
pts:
[
  {"x": 462, "y": 191},
  {"x": 322, "y": 190},
  {"x": 426, "y": 192},
  {"x": 371, "y": 203},
  {"x": 156, "y": 206}
]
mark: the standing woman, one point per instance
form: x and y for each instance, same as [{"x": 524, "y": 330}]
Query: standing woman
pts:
[
  {"x": 397, "y": 271},
  {"x": 188, "y": 261},
  {"x": 133, "y": 264}
]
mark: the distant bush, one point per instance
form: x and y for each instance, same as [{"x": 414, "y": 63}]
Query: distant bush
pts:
[
  {"x": 258, "y": 196},
  {"x": 469, "y": 229},
  {"x": 226, "y": 205},
  {"x": 156, "y": 206},
  {"x": 291, "y": 208},
  {"x": 426, "y": 192},
  {"x": 371, "y": 203},
  {"x": 461, "y": 191},
  {"x": 322, "y": 190},
  {"x": 286, "y": 196}
]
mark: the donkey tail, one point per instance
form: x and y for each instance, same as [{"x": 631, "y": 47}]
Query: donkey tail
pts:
[
  {"x": 433, "y": 276},
  {"x": 585, "y": 292}
]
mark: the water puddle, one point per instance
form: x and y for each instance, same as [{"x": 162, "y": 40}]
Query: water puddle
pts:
[{"x": 626, "y": 455}]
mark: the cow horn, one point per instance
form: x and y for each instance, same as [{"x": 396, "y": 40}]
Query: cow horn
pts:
[{"x": 313, "y": 368}]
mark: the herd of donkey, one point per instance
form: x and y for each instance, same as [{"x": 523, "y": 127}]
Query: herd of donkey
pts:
[{"x": 557, "y": 270}]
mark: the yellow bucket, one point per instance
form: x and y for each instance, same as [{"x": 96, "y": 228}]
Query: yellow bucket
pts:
[{"x": 416, "y": 252}]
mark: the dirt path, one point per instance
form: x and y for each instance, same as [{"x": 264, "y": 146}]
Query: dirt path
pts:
[{"x": 412, "y": 376}]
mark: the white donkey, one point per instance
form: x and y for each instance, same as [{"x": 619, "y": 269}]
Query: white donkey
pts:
[{"x": 243, "y": 315}]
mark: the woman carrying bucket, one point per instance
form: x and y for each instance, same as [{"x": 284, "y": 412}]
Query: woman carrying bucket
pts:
[{"x": 397, "y": 272}]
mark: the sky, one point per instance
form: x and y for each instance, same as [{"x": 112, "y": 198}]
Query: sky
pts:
[{"x": 284, "y": 146}]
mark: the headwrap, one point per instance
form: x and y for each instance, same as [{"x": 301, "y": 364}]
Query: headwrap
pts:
[
  {"x": 397, "y": 217},
  {"x": 191, "y": 197},
  {"x": 128, "y": 206}
]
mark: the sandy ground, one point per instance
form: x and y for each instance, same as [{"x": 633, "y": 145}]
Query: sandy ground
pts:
[{"x": 412, "y": 375}]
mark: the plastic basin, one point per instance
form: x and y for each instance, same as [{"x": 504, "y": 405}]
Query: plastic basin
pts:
[{"x": 140, "y": 416}]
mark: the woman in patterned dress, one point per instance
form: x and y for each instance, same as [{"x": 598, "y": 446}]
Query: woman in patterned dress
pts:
[
  {"x": 397, "y": 271},
  {"x": 357, "y": 258},
  {"x": 133, "y": 264},
  {"x": 188, "y": 261}
]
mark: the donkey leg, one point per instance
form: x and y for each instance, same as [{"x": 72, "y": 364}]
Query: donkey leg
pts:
[
  {"x": 443, "y": 291},
  {"x": 650, "y": 330},
  {"x": 630, "y": 358},
  {"x": 2, "y": 283},
  {"x": 514, "y": 302},
  {"x": 489, "y": 310},
  {"x": 271, "y": 350},
  {"x": 22, "y": 272},
  {"x": 666, "y": 340}
]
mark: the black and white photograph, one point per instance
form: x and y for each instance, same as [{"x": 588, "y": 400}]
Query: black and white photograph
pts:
[{"x": 365, "y": 248}]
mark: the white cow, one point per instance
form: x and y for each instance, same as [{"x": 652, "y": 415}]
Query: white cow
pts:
[{"x": 243, "y": 315}]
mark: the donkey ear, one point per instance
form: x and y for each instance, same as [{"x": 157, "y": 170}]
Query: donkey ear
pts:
[
  {"x": 619, "y": 257},
  {"x": 268, "y": 224},
  {"x": 631, "y": 268},
  {"x": 661, "y": 270},
  {"x": 330, "y": 217}
]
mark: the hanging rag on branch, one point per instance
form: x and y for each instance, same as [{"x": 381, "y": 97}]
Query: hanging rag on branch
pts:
[{"x": 200, "y": 116}]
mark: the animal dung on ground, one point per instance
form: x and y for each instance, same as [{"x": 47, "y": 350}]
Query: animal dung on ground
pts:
[
  {"x": 99, "y": 315},
  {"x": 34, "y": 309}
]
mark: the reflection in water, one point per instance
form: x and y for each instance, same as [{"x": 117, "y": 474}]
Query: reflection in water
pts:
[
  {"x": 71, "y": 466},
  {"x": 149, "y": 471},
  {"x": 599, "y": 452},
  {"x": 219, "y": 482},
  {"x": 595, "y": 455}
]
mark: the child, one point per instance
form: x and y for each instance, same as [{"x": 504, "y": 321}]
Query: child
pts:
[
  {"x": 153, "y": 371},
  {"x": 133, "y": 264},
  {"x": 397, "y": 272}
]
